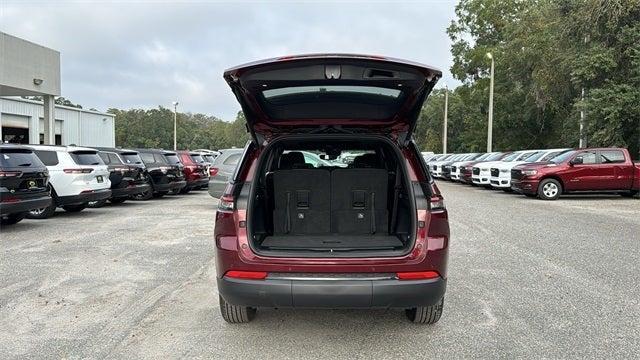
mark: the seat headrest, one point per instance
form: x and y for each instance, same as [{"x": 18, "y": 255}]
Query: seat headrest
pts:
[
  {"x": 366, "y": 161},
  {"x": 291, "y": 160}
]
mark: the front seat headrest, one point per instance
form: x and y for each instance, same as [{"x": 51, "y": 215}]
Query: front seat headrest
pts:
[
  {"x": 366, "y": 161},
  {"x": 291, "y": 160}
]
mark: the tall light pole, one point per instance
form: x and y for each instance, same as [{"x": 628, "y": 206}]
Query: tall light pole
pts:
[
  {"x": 175, "y": 125},
  {"x": 490, "y": 125},
  {"x": 444, "y": 130}
]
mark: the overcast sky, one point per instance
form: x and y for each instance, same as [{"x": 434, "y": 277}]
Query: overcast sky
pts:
[{"x": 143, "y": 54}]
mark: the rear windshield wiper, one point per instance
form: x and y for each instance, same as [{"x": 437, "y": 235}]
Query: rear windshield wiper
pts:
[{"x": 25, "y": 164}]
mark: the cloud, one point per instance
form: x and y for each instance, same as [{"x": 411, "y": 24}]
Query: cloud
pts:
[{"x": 145, "y": 54}]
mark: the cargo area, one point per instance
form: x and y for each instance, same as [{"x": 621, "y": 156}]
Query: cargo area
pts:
[{"x": 325, "y": 198}]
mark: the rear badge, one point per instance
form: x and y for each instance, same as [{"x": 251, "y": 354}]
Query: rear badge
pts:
[
  {"x": 360, "y": 216},
  {"x": 32, "y": 184},
  {"x": 300, "y": 215}
]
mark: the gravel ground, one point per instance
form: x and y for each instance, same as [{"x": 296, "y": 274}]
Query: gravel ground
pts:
[{"x": 527, "y": 279}]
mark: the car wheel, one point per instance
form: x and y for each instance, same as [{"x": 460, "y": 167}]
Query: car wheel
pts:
[
  {"x": 12, "y": 218},
  {"x": 549, "y": 189},
  {"x": 143, "y": 195},
  {"x": 185, "y": 190},
  {"x": 160, "y": 194},
  {"x": 236, "y": 314},
  {"x": 96, "y": 204},
  {"x": 426, "y": 314},
  {"x": 119, "y": 200},
  {"x": 42, "y": 213},
  {"x": 74, "y": 208},
  {"x": 631, "y": 193}
]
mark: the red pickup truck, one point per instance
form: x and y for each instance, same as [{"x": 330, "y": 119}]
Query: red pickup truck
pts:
[{"x": 583, "y": 170}]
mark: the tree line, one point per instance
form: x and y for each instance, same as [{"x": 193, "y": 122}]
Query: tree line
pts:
[
  {"x": 546, "y": 52},
  {"x": 153, "y": 128}
]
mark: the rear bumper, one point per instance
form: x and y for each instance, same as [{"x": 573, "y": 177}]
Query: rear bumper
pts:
[
  {"x": 197, "y": 183},
  {"x": 95, "y": 195},
  {"x": 524, "y": 186},
  {"x": 172, "y": 186},
  {"x": 329, "y": 293},
  {"x": 25, "y": 205},
  {"x": 130, "y": 190}
]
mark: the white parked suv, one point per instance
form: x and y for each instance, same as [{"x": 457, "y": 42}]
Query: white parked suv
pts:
[
  {"x": 501, "y": 172},
  {"x": 77, "y": 175}
]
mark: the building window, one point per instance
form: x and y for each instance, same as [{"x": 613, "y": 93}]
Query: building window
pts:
[{"x": 58, "y": 139}]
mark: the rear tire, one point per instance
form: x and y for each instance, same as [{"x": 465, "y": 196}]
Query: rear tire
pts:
[
  {"x": 143, "y": 196},
  {"x": 119, "y": 200},
  {"x": 74, "y": 208},
  {"x": 185, "y": 190},
  {"x": 236, "y": 314},
  {"x": 630, "y": 193},
  {"x": 160, "y": 194},
  {"x": 12, "y": 219},
  {"x": 426, "y": 314},
  {"x": 549, "y": 189},
  {"x": 96, "y": 204},
  {"x": 43, "y": 213}
]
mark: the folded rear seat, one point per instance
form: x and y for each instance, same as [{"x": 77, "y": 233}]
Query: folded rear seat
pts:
[
  {"x": 301, "y": 198},
  {"x": 359, "y": 198}
]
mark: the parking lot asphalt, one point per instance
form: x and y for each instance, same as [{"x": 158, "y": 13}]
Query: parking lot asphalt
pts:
[{"x": 527, "y": 278}]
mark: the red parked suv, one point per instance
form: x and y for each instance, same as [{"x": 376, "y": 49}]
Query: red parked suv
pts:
[
  {"x": 584, "y": 170},
  {"x": 331, "y": 204},
  {"x": 195, "y": 170}
]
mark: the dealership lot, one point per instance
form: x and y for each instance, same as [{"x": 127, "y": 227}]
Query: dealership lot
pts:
[{"x": 527, "y": 278}]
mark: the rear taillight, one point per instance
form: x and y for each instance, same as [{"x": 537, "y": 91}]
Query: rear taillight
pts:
[
  {"x": 436, "y": 203},
  {"x": 417, "y": 275},
  {"x": 6, "y": 174},
  {"x": 213, "y": 171},
  {"x": 226, "y": 203},
  {"x": 252, "y": 275},
  {"x": 78, "y": 171}
]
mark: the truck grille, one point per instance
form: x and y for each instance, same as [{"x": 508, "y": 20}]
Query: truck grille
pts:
[
  {"x": 476, "y": 171},
  {"x": 516, "y": 174},
  {"x": 495, "y": 172}
]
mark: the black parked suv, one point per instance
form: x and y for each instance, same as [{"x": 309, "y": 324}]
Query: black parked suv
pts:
[
  {"x": 164, "y": 177},
  {"x": 23, "y": 183},
  {"x": 126, "y": 173}
]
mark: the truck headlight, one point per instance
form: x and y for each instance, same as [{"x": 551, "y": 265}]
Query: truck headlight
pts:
[{"x": 529, "y": 172}]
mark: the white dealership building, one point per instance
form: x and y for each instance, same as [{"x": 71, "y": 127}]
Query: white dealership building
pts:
[{"x": 28, "y": 69}]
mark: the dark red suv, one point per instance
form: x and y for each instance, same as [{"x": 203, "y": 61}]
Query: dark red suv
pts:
[
  {"x": 331, "y": 205},
  {"x": 195, "y": 170}
]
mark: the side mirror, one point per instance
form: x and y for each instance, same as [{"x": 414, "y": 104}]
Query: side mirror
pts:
[{"x": 576, "y": 161}]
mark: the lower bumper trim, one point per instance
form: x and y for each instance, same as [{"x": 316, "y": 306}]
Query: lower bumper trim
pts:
[{"x": 383, "y": 293}]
